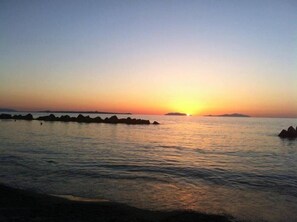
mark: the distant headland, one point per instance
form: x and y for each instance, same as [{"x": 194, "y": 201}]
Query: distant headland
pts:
[
  {"x": 7, "y": 110},
  {"x": 90, "y": 112},
  {"x": 68, "y": 111},
  {"x": 176, "y": 114},
  {"x": 229, "y": 115}
]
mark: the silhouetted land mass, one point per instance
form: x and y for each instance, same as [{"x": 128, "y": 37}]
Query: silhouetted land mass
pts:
[
  {"x": 84, "y": 112},
  {"x": 175, "y": 114},
  {"x": 291, "y": 133},
  {"x": 7, "y": 110},
  {"x": 80, "y": 119},
  {"x": 230, "y": 115},
  {"x": 21, "y": 205}
]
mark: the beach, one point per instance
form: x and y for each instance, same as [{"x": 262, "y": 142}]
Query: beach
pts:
[{"x": 21, "y": 205}]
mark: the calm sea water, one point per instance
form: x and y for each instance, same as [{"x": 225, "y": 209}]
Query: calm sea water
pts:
[{"x": 236, "y": 166}]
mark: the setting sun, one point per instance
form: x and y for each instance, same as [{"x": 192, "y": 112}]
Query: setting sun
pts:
[{"x": 184, "y": 110}]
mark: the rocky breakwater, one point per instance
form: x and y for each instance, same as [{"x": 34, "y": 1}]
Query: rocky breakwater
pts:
[
  {"x": 81, "y": 119},
  {"x": 291, "y": 133},
  {"x": 15, "y": 117}
]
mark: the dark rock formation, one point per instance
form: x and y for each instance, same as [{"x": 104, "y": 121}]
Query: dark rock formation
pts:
[
  {"x": 80, "y": 119},
  {"x": 65, "y": 118},
  {"x": 15, "y": 117},
  {"x": 156, "y": 123},
  {"x": 28, "y": 117},
  {"x": 5, "y": 116},
  {"x": 113, "y": 119},
  {"x": 51, "y": 117},
  {"x": 283, "y": 133},
  {"x": 290, "y": 133},
  {"x": 98, "y": 119}
]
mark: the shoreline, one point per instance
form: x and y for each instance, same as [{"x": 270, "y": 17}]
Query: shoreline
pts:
[{"x": 22, "y": 205}]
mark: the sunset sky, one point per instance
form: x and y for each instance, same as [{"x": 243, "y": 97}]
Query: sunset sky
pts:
[{"x": 150, "y": 57}]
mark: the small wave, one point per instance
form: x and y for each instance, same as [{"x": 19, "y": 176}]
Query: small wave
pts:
[
  {"x": 173, "y": 147},
  {"x": 167, "y": 174}
]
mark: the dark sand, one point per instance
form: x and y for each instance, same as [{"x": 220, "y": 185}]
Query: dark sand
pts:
[{"x": 20, "y": 205}]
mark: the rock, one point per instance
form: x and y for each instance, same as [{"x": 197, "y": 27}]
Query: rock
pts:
[
  {"x": 28, "y": 117},
  {"x": 88, "y": 119},
  {"x": 113, "y": 119},
  {"x": 290, "y": 133},
  {"x": 98, "y": 119},
  {"x": 65, "y": 118},
  {"x": 283, "y": 134},
  {"x": 51, "y": 117},
  {"x": 25, "y": 117},
  {"x": 81, "y": 119},
  {"x": 5, "y": 116},
  {"x": 146, "y": 122}
]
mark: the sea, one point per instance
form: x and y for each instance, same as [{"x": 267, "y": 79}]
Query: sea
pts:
[{"x": 219, "y": 165}]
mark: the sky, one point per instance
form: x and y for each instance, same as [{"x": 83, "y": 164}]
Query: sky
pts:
[{"x": 150, "y": 57}]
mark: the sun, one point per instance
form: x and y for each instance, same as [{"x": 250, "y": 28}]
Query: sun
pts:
[{"x": 188, "y": 106}]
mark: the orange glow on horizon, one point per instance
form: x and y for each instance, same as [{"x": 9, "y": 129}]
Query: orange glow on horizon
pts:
[{"x": 149, "y": 102}]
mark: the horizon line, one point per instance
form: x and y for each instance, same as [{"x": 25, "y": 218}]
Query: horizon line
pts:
[{"x": 131, "y": 113}]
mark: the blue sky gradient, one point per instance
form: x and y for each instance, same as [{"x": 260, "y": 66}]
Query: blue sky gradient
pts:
[{"x": 194, "y": 56}]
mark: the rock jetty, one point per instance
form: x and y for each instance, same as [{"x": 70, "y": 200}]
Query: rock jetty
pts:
[
  {"x": 291, "y": 133},
  {"x": 80, "y": 119},
  {"x": 15, "y": 117}
]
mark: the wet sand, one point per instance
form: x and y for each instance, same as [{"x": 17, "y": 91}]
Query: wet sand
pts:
[{"x": 21, "y": 205}]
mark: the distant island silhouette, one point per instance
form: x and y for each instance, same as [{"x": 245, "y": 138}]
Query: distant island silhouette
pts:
[
  {"x": 229, "y": 115},
  {"x": 90, "y": 112},
  {"x": 176, "y": 114},
  {"x": 7, "y": 110},
  {"x": 68, "y": 111}
]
